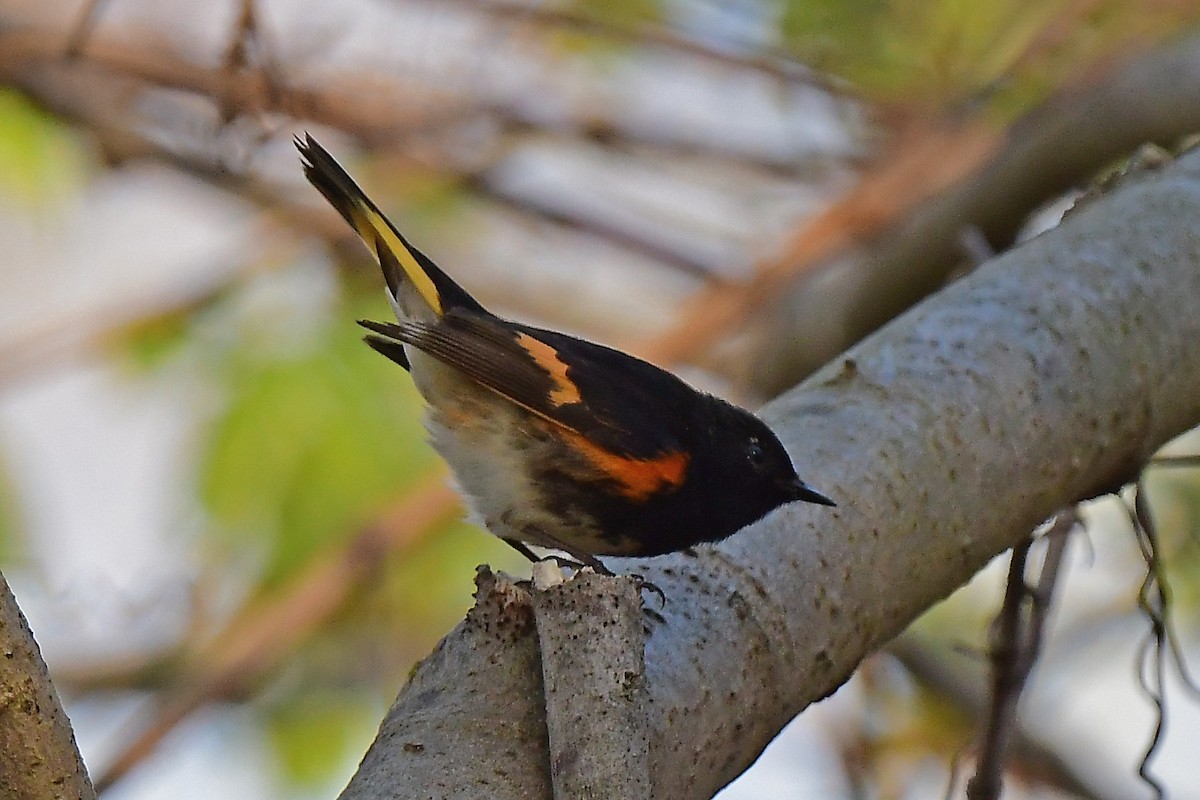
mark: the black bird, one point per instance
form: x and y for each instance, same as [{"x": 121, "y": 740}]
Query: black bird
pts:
[{"x": 556, "y": 441}]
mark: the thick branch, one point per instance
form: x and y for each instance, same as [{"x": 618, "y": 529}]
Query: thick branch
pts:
[
  {"x": 590, "y": 638},
  {"x": 1048, "y": 375},
  {"x": 475, "y": 735},
  {"x": 38, "y": 756}
]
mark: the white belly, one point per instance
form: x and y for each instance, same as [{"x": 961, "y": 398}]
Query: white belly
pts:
[{"x": 486, "y": 442}]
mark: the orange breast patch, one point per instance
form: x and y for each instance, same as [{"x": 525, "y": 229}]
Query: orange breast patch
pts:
[{"x": 638, "y": 478}]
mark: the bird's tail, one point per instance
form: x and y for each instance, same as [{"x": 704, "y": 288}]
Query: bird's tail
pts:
[{"x": 403, "y": 265}]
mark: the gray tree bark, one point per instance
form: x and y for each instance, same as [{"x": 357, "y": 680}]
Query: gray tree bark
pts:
[
  {"x": 1047, "y": 376},
  {"x": 38, "y": 756},
  {"x": 591, "y": 644}
]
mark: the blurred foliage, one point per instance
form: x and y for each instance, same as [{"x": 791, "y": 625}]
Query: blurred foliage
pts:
[
  {"x": 623, "y": 14},
  {"x": 938, "y": 723},
  {"x": 430, "y": 586},
  {"x": 310, "y": 445},
  {"x": 316, "y": 733},
  {"x": 40, "y": 158},
  {"x": 923, "y": 51},
  {"x": 326, "y": 705},
  {"x": 939, "y": 52},
  {"x": 11, "y": 541},
  {"x": 1175, "y": 503},
  {"x": 152, "y": 341}
]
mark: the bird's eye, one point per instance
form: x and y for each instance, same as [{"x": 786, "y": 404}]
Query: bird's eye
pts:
[{"x": 755, "y": 452}]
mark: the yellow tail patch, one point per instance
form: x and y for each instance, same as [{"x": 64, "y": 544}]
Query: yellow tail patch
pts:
[{"x": 376, "y": 231}]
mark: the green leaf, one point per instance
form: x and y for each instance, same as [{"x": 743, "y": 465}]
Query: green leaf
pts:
[
  {"x": 942, "y": 52},
  {"x": 624, "y": 14},
  {"x": 11, "y": 542},
  {"x": 319, "y": 732},
  {"x": 152, "y": 342},
  {"x": 431, "y": 586},
  {"x": 828, "y": 32},
  {"x": 40, "y": 158},
  {"x": 309, "y": 447},
  {"x": 938, "y": 51}
]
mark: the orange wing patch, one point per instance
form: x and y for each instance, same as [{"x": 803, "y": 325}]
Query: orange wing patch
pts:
[
  {"x": 565, "y": 391},
  {"x": 638, "y": 478}
]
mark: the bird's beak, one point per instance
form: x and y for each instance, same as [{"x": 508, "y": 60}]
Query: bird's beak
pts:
[{"x": 802, "y": 491}]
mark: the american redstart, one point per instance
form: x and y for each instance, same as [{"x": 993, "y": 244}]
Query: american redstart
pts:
[{"x": 558, "y": 442}]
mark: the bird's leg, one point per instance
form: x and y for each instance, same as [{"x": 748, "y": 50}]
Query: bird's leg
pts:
[
  {"x": 585, "y": 559},
  {"x": 561, "y": 561},
  {"x": 519, "y": 546},
  {"x": 582, "y": 558}
]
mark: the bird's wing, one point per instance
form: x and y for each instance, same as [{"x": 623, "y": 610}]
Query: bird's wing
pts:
[{"x": 618, "y": 411}]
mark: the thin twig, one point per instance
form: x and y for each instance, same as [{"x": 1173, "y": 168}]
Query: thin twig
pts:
[
  {"x": 249, "y": 48},
  {"x": 1016, "y": 642},
  {"x": 483, "y": 185},
  {"x": 955, "y": 678},
  {"x": 1145, "y": 521},
  {"x": 1160, "y": 644},
  {"x": 1150, "y": 601},
  {"x": 1006, "y": 681},
  {"x": 1043, "y": 591},
  {"x": 1191, "y": 460},
  {"x": 26, "y": 54}
]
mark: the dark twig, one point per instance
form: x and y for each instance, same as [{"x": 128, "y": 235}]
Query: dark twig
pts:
[
  {"x": 1016, "y": 642},
  {"x": 1153, "y": 600},
  {"x": 1160, "y": 644},
  {"x": 1006, "y": 681},
  {"x": 482, "y": 184},
  {"x": 1042, "y": 592},
  {"x": 957, "y": 678},
  {"x": 1191, "y": 460},
  {"x": 250, "y": 49},
  {"x": 1145, "y": 520}
]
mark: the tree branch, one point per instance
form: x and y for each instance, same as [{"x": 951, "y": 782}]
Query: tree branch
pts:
[
  {"x": 590, "y": 637},
  {"x": 1016, "y": 642},
  {"x": 469, "y": 722},
  {"x": 1047, "y": 376},
  {"x": 38, "y": 756}
]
